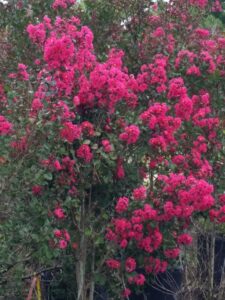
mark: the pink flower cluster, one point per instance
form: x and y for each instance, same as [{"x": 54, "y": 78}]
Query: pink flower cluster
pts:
[
  {"x": 122, "y": 205},
  {"x": 162, "y": 125},
  {"x": 140, "y": 193},
  {"x": 63, "y": 170},
  {"x": 131, "y": 134},
  {"x": 109, "y": 84},
  {"x": 154, "y": 265},
  {"x": 5, "y": 126},
  {"x": 154, "y": 74},
  {"x": 87, "y": 128},
  {"x": 138, "y": 279},
  {"x": 181, "y": 197},
  {"x": 120, "y": 172},
  {"x": 63, "y": 237},
  {"x": 130, "y": 264},
  {"x": 70, "y": 132},
  {"x": 106, "y": 146},
  {"x": 37, "y": 33},
  {"x": 2, "y": 94},
  {"x": 84, "y": 152},
  {"x": 59, "y": 213},
  {"x": 184, "y": 239},
  {"x": 113, "y": 263},
  {"x": 21, "y": 74},
  {"x": 217, "y": 6},
  {"x": 199, "y": 3},
  {"x": 62, "y": 3},
  {"x": 37, "y": 190},
  {"x": 58, "y": 52}
]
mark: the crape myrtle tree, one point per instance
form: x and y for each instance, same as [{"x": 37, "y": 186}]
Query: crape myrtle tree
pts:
[{"x": 108, "y": 170}]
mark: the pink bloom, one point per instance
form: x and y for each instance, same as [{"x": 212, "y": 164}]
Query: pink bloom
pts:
[
  {"x": 202, "y": 32},
  {"x": 159, "y": 32},
  {"x": 140, "y": 193},
  {"x": 154, "y": 6},
  {"x": 36, "y": 104},
  {"x": 22, "y": 67},
  {"x": 36, "y": 190},
  {"x": 57, "y": 233},
  {"x": 106, "y": 146},
  {"x": 62, "y": 244},
  {"x": 222, "y": 198},
  {"x": 22, "y": 72},
  {"x": 2, "y": 94},
  {"x": 122, "y": 204},
  {"x": 176, "y": 88},
  {"x": 199, "y": 3},
  {"x": 73, "y": 191},
  {"x": 66, "y": 235},
  {"x": 123, "y": 244},
  {"x": 110, "y": 235},
  {"x": 193, "y": 70},
  {"x": 19, "y": 4},
  {"x": 184, "y": 239},
  {"x": 12, "y": 75},
  {"x": 87, "y": 128},
  {"x": 62, "y": 3},
  {"x": 70, "y": 132},
  {"x": 130, "y": 264},
  {"x": 113, "y": 263},
  {"x": 20, "y": 145},
  {"x": 126, "y": 293},
  {"x": 213, "y": 214},
  {"x": 155, "y": 265},
  {"x": 85, "y": 153},
  {"x": 139, "y": 279},
  {"x": 59, "y": 213},
  {"x": 131, "y": 134},
  {"x": 5, "y": 126},
  {"x": 184, "y": 108},
  {"x": 172, "y": 253},
  {"x": 158, "y": 142},
  {"x": 207, "y": 58},
  {"x": 37, "y": 62},
  {"x": 76, "y": 101},
  {"x": 37, "y": 33},
  {"x": 58, "y": 52},
  {"x": 57, "y": 165},
  {"x": 178, "y": 159},
  {"x": 47, "y": 21},
  {"x": 217, "y": 7},
  {"x": 120, "y": 173},
  {"x": 149, "y": 212},
  {"x": 45, "y": 162}
]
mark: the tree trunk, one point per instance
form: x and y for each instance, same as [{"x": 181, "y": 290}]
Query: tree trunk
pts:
[
  {"x": 81, "y": 258},
  {"x": 92, "y": 282},
  {"x": 80, "y": 277},
  {"x": 222, "y": 284},
  {"x": 211, "y": 257}
]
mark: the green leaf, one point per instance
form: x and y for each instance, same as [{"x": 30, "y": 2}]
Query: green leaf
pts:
[
  {"x": 100, "y": 279},
  {"x": 48, "y": 176}
]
